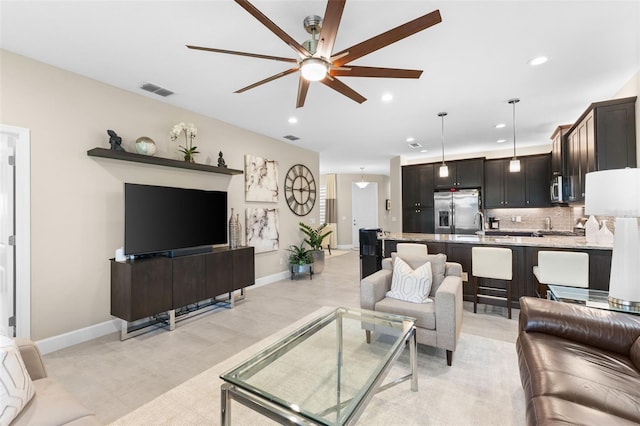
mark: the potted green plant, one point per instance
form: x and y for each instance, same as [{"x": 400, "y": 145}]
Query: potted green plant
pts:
[
  {"x": 315, "y": 237},
  {"x": 299, "y": 259}
]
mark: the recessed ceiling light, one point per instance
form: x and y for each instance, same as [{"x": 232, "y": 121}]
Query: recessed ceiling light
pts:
[
  {"x": 538, "y": 61},
  {"x": 410, "y": 139},
  {"x": 500, "y": 125},
  {"x": 501, "y": 141},
  {"x": 387, "y": 97},
  {"x": 424, "y": 150},
  {"x": 293, "y": 120}
]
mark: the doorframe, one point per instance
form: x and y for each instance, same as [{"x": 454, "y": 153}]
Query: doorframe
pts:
[{"x": 23, "y": 228}]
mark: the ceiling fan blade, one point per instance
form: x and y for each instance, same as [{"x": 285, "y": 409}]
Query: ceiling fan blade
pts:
[
  {"x": 355, "y": 71},
  {"x": 382, "y": 40},
  {"x": 330, "y": 24},
  {"x": 339, "y": 86},
  {"x": 303, "y": 88},
  {"x": 304, "y": 53},
  {"x": 234, "y": 52},
  {"x": 266, "y": 80}
]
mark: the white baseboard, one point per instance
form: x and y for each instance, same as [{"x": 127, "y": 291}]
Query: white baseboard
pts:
[{"x": 61, "y": 341}]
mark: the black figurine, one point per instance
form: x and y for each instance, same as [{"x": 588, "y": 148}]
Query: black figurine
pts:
[
  {"x": 115, "y": 141},
  {"x": 221, "y": 162}
]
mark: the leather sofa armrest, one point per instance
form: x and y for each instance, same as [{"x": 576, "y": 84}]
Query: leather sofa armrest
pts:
[
  {"x": 32, "y": 358},
  {"x": 607, "y": 330},
  {"x": 373, "y": 288},
  {"x": 449, "y": 311}
]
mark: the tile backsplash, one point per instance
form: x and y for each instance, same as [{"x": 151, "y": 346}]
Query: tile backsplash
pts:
[{"x": 562, "y": 218}]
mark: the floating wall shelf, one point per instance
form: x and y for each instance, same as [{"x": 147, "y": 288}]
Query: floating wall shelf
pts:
[{"x": 158, "y": 161}]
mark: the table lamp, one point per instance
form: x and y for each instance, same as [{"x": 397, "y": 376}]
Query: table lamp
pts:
[{"x": 617, "y": 193}]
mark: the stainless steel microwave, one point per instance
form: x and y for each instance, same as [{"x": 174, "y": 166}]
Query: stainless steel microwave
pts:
[{"x": 557, "y": 193}]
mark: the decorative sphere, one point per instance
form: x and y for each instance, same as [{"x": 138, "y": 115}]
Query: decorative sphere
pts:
[{"x": 145, "y": 146}]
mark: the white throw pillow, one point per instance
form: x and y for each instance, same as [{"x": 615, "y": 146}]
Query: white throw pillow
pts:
[
  {"x": 16, "y": 388},
  {"x": 410, "y": 285}
]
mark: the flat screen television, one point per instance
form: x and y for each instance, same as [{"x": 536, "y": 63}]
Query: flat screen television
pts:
[{"x": 159, "y": 219}]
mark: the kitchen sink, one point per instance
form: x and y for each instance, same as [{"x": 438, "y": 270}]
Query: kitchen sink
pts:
[{"x": 494, "y": 233}]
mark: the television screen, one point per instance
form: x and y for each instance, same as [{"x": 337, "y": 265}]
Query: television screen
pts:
[{"x": 159, "y": 219}]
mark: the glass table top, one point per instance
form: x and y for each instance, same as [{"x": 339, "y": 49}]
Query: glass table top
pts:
[
  {"x": 588, "y": 297},
  {"x": 324, "y": 369}
]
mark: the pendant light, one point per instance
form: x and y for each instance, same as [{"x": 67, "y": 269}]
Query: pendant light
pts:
[
  {"x": 362, "y": 184},
  {"x": 514, "y": 164},
  {"x": 444, "y": 170}
]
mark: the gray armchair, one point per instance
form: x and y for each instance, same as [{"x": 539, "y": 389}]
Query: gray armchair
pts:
[{"x": 437, "y": 324}]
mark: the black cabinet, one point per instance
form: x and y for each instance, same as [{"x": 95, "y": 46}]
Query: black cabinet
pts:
[
  {"x": 537, "y": 180},
  {"x": 503, "y": 188},
  {"x": 558, "y": 150},
  {"x": 603, "y": 138},
  {"x": 417, "y": 186},
  {"x": 527, "y": 188},
  {"x": 144, "y": 287},
  {"x": 462, "y": 174},
  {"x": 417, "y": 198}
]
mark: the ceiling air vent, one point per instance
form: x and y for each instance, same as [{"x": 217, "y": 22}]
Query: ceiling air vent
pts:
[
  {"x": 153, "y": 88},
  {"x": 415, "y": 145},
  {"x": 291, "y": 137}
]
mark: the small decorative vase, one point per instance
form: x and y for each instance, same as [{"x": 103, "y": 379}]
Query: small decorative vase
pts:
[
  {"x": 238, "y": 230},
  {"x": 591, "y": 229},
  {"x": 145, "y": 146},
  {"x": 189, "y": 158},
  {"x": 233, "y": 232},
  {"x": 604, "y": 235}
]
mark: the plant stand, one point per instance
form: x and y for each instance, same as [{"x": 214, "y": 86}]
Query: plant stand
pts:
[{"x": 302, "y": 269}]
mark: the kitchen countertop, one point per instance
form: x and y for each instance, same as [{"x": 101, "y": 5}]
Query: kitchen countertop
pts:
[{"x": 545, "y": 241}]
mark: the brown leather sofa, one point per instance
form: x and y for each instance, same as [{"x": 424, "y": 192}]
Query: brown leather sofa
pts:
[{"x": 578, "y": 365}]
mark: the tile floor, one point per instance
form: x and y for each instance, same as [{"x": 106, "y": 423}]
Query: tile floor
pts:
[{"x": 114, "y": 377}]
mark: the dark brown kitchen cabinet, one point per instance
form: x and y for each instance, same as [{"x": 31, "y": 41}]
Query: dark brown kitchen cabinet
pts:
[
  {"x": 417, "y": 198},
  {"x": 503, "y": 188},
  {"x": 462, "y": 174},
  {"x": 417, "y": 186},
  {"x": 527, "y": 188},
  {"x": 603, "y": 138},
  {"x": 558, "y": 150},
  {"x": 537, "y": 180}
]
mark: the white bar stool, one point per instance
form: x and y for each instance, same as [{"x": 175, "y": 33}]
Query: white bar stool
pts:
[
  {"x": 494, "y": 263},
  {"x": 565, "y": 268},
  {"x": 404, "y": 250}
]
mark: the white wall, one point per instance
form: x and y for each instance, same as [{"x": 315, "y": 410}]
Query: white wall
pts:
[{"x": 77, "y": 201}]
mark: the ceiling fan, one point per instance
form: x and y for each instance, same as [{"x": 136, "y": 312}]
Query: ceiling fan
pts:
[{"x": 316, "y": 60}]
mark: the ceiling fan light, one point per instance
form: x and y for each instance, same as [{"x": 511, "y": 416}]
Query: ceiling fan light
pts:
[{"x": 313, "y": 69}]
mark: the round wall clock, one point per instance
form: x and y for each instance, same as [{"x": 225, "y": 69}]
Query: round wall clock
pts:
[{"x": 300, "y": 189}]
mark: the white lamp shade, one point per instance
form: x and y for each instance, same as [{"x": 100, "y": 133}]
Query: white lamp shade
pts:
[
  {"x": 613, "y": 193},
  {"x": 444, "y": 171},
  {"x": 514, "y": 165},
  {"x": 313, "y": 69}
]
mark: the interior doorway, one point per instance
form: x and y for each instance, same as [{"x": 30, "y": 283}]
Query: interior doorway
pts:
[
  {"x": 15, "y": 275},
  {"x": 364, "y": 209}
]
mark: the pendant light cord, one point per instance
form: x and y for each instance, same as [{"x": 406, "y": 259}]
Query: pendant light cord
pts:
[
  {"x": 442, "y": 115},
  {"x": 513, "y": 102}
]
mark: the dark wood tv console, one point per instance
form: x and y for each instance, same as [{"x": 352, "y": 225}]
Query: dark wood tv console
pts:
[{"x": 157, "y": 289}]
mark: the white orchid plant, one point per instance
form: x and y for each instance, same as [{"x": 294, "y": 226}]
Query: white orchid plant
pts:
[{"x": 189, "y": 131}]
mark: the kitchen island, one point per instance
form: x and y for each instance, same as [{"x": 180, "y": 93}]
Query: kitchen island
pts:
[{"x": 525, "y": 256}]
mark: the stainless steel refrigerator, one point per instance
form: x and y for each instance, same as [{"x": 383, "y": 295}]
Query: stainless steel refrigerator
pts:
[{"x": 456, "y": 212}]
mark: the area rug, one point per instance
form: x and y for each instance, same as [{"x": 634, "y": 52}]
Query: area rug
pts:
[{"x": 481, "y": 388}]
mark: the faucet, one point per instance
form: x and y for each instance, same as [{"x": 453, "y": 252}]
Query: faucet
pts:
[
  {"x": 547, "y": 223},
  {"x": 481, "y": 231}
]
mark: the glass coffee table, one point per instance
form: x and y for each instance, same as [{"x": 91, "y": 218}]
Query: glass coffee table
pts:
[
  {"x": 589, "y": 297},
  {"x": 324, "y": 372}
]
